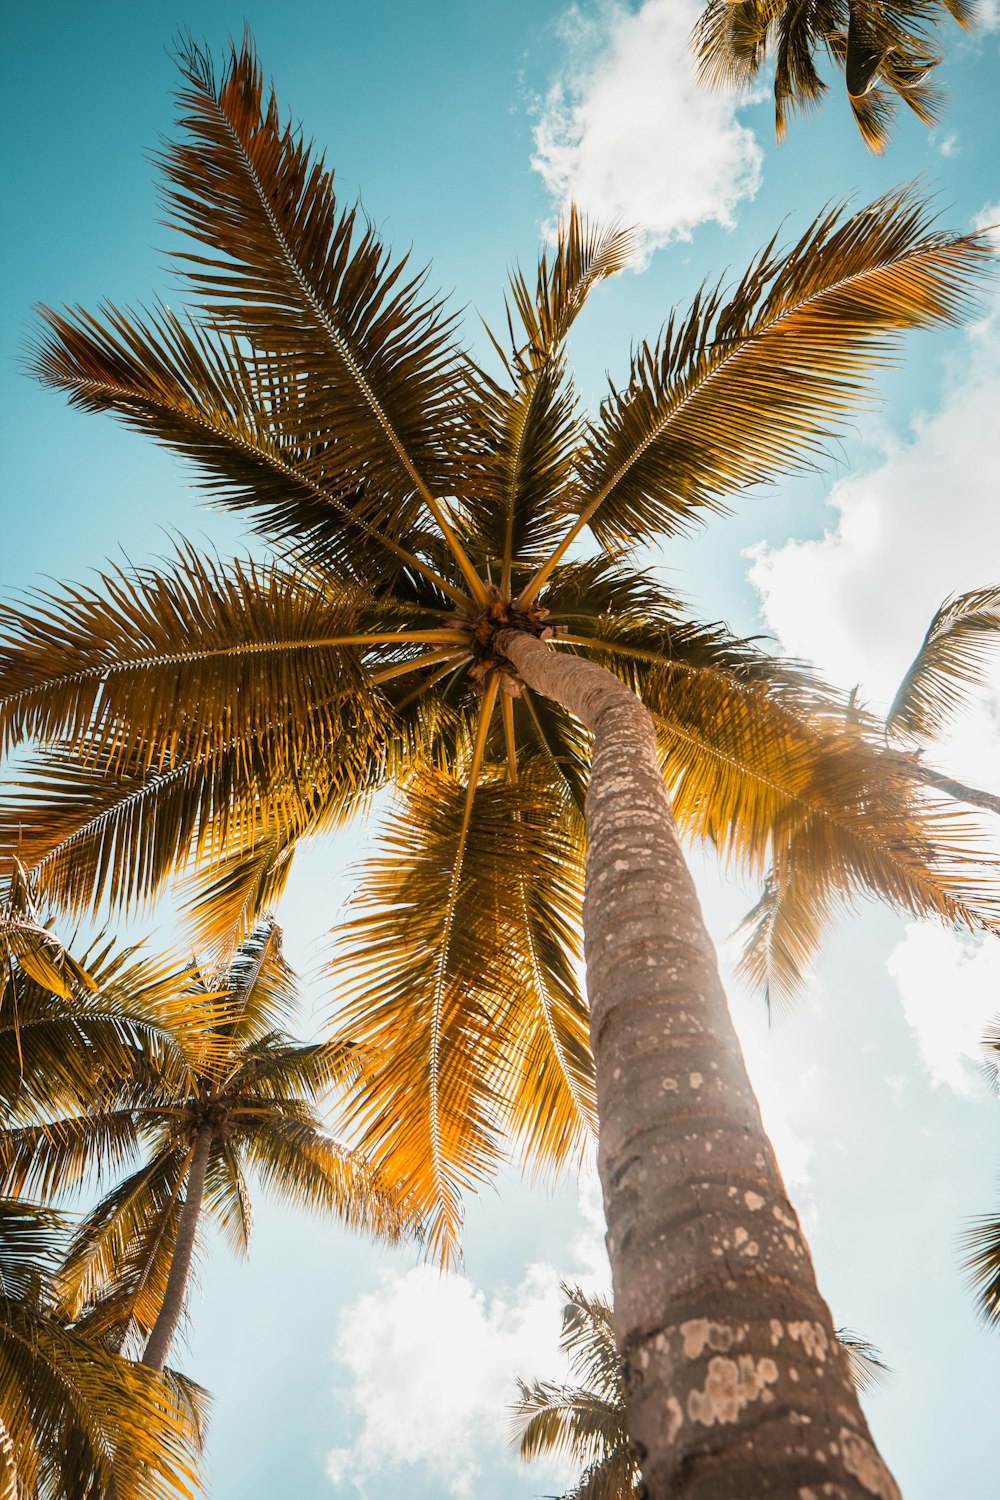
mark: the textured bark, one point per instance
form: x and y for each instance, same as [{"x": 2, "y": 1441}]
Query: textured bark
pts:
[
  {"x": 736, "y": 1387},
  {"x": 162, "y": 1334}
]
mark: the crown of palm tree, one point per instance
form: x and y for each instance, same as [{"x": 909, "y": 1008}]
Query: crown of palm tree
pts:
[
  {"x": 231, "y": 1075},
  {"x": 204, "y": 717},
  {"x": 886, "y": 53},
  {"x": 76, "y": 1419}
]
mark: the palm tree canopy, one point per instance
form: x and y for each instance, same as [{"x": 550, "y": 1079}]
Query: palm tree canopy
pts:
[
  {"x": 77, "y": 1418},
  {"x": 886, "y": 53},
  {"x": 233, "y": 1070},
  {"x": 203, "y": 717},
  {"x": 583, "y": 1422}
]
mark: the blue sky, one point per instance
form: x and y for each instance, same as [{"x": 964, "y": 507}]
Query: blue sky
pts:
[{"x": 462, "y": 126}]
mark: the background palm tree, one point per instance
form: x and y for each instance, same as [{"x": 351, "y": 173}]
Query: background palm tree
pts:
[
  {"x": 439, "y": 625},
  {"x": 586, "y": 1422},
  {"x": 237, "y": 1093},
  {"x": 885, "y": 52},
  {"x": 78, "y": 1419}
]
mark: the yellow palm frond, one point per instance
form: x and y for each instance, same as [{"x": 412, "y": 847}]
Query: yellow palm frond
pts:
[
  {"x": 294, "y": 274},
  {"x": 753, "y": 383},
  {"x": 959, "y": 644}
]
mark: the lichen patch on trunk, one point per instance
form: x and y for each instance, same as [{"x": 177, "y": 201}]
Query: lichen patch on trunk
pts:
[
  {"x": 732, "y": 1384},
  {"x": 861, "y": 1460}
]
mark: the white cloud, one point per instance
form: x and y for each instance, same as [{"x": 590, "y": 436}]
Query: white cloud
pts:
[
  {"x": 949, "y": 987},
  {"x": 432, "y": 1363},
  {"x": 923, "y": 523},
  {"x": 627, "y": 132}
]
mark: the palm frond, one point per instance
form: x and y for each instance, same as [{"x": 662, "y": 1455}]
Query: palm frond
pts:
[
  {"x": 868, "y": 1368},
  {"x": 981, "y": 1262},
  {"x": 424, "y": 982},
  {"x": 753, "y": 383},
  {"x": 237, "y": 416},
  {"x": 958, "y": 646},
  {"x": 371, "y": 361},
  {"x": 103, "y": 669}
]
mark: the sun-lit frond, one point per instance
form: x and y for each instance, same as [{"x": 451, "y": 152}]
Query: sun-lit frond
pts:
[
  {"x": 57, "y": 1156},
  {"x": 753, "y": 382},
  {"x": 81, "y": 1420},
  {"x": 583, "y": 254},
  {"x": 30, "y": 1247},
  {"x": 546, "y": 1093},
  {"x": 93, "y": 829},
  {"x": 981, "y": 1261},
  {"x": 782, "y": 935},
  {"x": 372, "y": 362},
  {"x": 949, "y": 667},
  {"x": 227, "y": 1198},
  {"x": 263, "y": 994},
  {"x": 237, "y": 416},
  {"x": 60, "y": 1054},
  {"x": 222, "y": 908},
  {"x": 305, "y": 1167},
  {"x": 423, "y": 979},
  {"x": 28, "y": 945},
  {"x": 152, "y": 666}
]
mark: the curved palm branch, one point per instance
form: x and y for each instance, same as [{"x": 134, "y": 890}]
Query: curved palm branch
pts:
[
  {"x": 959, "y": 644},
  {"x": 77, "y": 1418},
  {"x": 886, "y": 53}
]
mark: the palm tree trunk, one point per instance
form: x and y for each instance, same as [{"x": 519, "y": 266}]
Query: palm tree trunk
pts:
[
  {"x": 735, "y": 1383},
  {"x": 162, "y": 1334}
]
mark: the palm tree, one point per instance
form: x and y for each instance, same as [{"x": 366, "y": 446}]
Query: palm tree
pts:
[
  {"x": 586, "y": 1422},
  {"x": 439, "y": 624},
  {"x": 784, "y": 929},
  {"x": 237, "y": 1094},
  {"x": 76, "y": 1418},
  {"x": 886, "y": 53}
]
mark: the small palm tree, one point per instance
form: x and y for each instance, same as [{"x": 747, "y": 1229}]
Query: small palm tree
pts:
[
  {"x": 237, "y": 1093},
  {"x": 77, "y": 1419},
  {"x": 438, "y": 624},
  {"x": 586, "y": 1422},
  {"x": 583, "y": 1422},
  {"x": 885, "y": 52}
]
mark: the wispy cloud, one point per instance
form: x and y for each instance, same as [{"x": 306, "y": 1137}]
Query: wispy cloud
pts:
[
  {"x": 949, "y": 987},
  {"x": 432, "y": 1363},
  {"x": 627, "y": 133}
]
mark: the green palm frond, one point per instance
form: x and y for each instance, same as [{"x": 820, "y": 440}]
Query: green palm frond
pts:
[
  {"x": 960, "y": 642},
  {"x": 753, "y": 383}
]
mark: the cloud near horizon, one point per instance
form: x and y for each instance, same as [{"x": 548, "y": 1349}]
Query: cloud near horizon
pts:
[
  {"x": 432, "y": 1363},
  {"x": 627, "y": 133}
]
